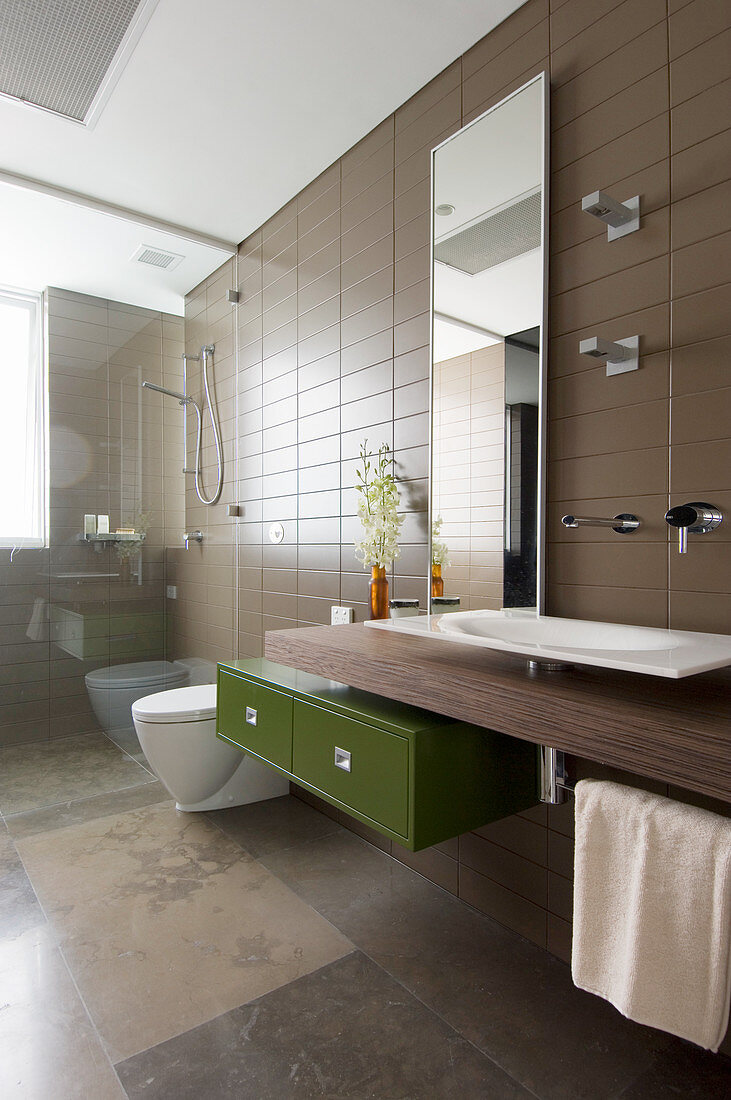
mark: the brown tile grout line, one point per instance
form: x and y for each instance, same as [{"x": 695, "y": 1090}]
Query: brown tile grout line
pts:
[
  {"x": 605, "y": 57},
  {"x": 552, "y": 10},
  {"x": 557, "y": 130}
]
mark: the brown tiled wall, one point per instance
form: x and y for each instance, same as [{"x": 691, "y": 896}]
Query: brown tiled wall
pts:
[
  {"x": 108, "y": 445},
  {"x": 468, "y": 476},
  {"x": 333, "y": 331}
]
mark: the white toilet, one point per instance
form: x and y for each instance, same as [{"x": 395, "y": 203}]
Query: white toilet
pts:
[{"x": 177, "y": 732}]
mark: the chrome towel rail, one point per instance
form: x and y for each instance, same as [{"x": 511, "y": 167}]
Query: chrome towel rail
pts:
[{"x": 554, "y": 778}]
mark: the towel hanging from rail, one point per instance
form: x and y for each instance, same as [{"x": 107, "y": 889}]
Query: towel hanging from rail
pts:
[{"x": 652, "y": 909}]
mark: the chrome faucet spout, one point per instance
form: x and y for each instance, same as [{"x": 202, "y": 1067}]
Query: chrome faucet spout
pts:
[{"x": 623, "y": 524}]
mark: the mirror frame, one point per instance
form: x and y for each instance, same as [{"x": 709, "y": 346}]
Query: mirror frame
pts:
[{"x": 543, "y": 80}]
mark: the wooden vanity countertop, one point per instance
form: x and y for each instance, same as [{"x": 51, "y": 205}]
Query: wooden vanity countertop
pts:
[{"x": 677, "y": 731}]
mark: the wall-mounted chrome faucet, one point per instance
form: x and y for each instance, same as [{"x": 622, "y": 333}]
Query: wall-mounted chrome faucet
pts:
[
  {"x": 620, "y": 218},
  {"x": 624, "y": 524},
  {"x": 192, "y": 536},
  {"x": 695, "y": 518},
  {"x": 621, "y": 357}
]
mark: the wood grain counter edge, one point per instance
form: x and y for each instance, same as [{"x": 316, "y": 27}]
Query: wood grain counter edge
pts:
[{"x": 676, "y": 731}]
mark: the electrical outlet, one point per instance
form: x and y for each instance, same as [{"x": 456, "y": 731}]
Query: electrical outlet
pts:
[
  {"x": 340, "y": 615},
  {"x": 172, "y": 592}
]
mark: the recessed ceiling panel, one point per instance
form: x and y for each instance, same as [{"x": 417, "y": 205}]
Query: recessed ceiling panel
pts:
[
  {"x": 57, "y": 55},
  {"x": 498, "y": 237}
]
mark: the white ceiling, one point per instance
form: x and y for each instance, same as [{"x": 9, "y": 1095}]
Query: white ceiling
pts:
[
  {"x": 48, "y": 241},
  {"x": 227, "y": 108}
]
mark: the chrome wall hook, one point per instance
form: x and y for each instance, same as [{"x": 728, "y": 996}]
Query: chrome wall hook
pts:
[
  {"x": 621, "y": 356},
  {"x": 620, "y": 218}
]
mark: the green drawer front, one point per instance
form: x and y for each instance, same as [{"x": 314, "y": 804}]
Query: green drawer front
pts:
[
  {"x": 271, "y": 711},
  {"x": 377, "y": 784}
]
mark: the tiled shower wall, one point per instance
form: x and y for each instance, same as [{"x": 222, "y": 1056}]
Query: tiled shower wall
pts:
[
  {"x": 201, "y": 621},
  {"x": 332, "y": 338},
  {"x": 67, "y": 609}
]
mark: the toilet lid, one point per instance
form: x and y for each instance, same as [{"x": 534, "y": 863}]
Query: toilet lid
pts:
[
  {"x": 188, "y": 704},
  {"x": 141, "y": 674}
]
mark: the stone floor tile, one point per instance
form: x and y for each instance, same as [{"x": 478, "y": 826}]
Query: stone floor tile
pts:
[
  {"x": 129, "y": 742},
  {"x": 264, "y": 827},
  {"x": 165, "y": 922},
  {"x": 33, "y": 822},
  {"x": 49, "y": 1046},
  {"x": 685, "y": 1072},
  {"x": 510, "y": 998},
  {"x": 19, "y": 908},
  {"x": 347, "y": 1031},
  {"x": 46, "y": 773}
]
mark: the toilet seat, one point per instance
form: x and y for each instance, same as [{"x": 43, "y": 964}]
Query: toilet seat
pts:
[
  {"x": 185, "y": 704},
  {"x": 143, "y": 674}
]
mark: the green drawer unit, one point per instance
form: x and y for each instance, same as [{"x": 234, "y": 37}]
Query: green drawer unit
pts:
[
  {"x": 255, "y": 717},
  {"x": 360, "y": 767},
  {"x": 417, "y": 777}
]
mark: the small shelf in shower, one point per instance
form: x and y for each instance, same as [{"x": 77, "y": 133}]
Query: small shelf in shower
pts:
[{"x": 114, "y": 536}]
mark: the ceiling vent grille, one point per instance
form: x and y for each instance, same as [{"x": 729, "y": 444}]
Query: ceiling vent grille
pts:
[
  {"x": 499, "y": 237},
  {"x": 156, "y": 257},
  {"x": 65, "y": 56}
]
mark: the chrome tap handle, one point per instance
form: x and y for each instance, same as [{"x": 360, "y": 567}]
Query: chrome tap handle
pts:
[
  {"x": 192, "y": 536},
  {"x": 695, "y": 518}
]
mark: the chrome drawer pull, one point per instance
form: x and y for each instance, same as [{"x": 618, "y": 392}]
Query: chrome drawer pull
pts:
[
  {"x": 251, "y": 716},
  {"x": 342, "y": 759}
]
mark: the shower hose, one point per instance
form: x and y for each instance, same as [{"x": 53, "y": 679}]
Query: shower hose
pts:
[{"x": 207, "y": 354}]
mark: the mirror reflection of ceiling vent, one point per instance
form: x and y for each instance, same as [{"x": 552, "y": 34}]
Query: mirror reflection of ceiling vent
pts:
[
  {"x": 66, "y": 56},
  {"x": 156, "y": 257},
  {"x": 499, "y": 237}
]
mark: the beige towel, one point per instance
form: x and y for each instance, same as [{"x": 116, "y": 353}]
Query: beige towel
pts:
[{"x": 652, "y": 909}]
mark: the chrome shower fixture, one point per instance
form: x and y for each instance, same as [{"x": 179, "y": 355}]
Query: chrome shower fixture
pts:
[
  {"x": 620, "y": 218},
  {"x": 206, "y": 354},
  {"x": 621, "y": 357},
  {"x": 181, "y": 397}
]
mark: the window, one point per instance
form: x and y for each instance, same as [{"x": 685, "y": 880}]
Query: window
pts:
[{"x": 23, "y": 483}]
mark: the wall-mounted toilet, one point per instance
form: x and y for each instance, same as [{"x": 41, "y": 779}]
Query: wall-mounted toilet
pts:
[{"x": 177, "y": 732}]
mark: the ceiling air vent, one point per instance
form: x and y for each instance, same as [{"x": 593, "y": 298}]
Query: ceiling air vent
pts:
[
  {"x": 156, "y": 257},
  {"x": 493, "y": 240},
  {"x": 66, "y": 56}
]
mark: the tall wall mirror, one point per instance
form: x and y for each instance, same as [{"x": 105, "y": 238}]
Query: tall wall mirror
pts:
[{"x": 489, "y": 307}]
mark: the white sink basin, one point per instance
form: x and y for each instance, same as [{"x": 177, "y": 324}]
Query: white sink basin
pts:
[
  {"x": 672, "y": 653},
  {"x": 561, "y": 634}
]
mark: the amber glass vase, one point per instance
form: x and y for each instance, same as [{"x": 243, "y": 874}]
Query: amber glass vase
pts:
[
  {"x": 437, "y": 581},
  {"x": 379, "y": 592}
]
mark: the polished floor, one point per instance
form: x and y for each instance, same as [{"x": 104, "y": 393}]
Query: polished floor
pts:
[{"x": 266, "y": 952}]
